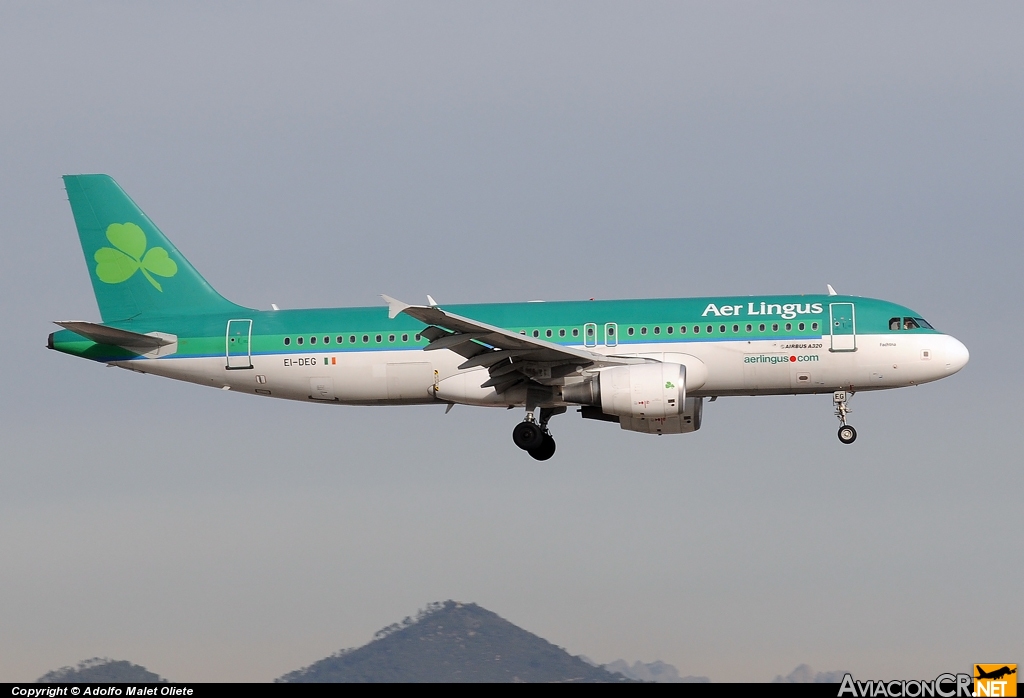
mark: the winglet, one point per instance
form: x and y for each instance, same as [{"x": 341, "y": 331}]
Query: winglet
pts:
[
  {"x": 431, "y": 302},
  {"x": 831, "y": 291},
  {"x": 395, "y": 306}
]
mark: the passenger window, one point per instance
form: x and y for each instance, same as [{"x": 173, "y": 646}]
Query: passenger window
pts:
[
  {"x": 576, "y": 332},
  {"x": 721, "y": 328},
  {"x": 536, "y": 333},
  {"x": 761, "y": 327},
  {"x": 366, "y": 339},
  {"x": 312, "y": 340},
  {"x": 630, "y": 331},
  {"x": 610, "y": 330},
  {"x": 643, "y": 330},
  {"x": 750, "y": 328},
  {"x": 405, "y": 338},
  {"x": 814, "y": 326},
  {"x": 894, "y": 324},
  {"x": 735, "y": 328},
  {"x": 378, "y": 339},
  {"x": 775, "y": 327},
  {"x": 789, "y": 326},
  {"x": 327, "y": 340},
  {"x": 352, "y": 339},
  {"x": 391, "y": 337},
  {"x": 287, "y": 341},
  {"x": 590, "y": 331},
  {"x": 340, "y": 339},
  {"x": 682, "y": 329},
  {"x": 669, "y": 329},
  {"x": 417, "y": 337},
  {"x": 909, "y": 324},
  {"x": 696, "y": 329},
  {"x": 800, "y": 327},
  {"x": 561, "y": 333},
  {"x": 299, "y": 340},
  {"x": 710, "y": 329},
  {"x": 548, "y": 333},
  {"x": 657, "y": 330}
]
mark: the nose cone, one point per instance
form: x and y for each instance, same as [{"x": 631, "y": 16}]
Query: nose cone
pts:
[{"x": 956, "y": 355}]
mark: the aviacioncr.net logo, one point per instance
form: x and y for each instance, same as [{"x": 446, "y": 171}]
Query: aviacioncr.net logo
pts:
[
  {"x": 942, "y": 686},
  {"x": 995, "y": 680},
  {"x": 117, "y": 264}
]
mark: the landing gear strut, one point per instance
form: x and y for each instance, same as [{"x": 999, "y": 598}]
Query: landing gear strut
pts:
[
  {"x": 847, "y": 434},
  {"x": 534, "y": 437}
]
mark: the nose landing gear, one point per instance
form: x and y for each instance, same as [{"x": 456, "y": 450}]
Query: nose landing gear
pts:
[
  {"x": 534, "y": 437},
  {"x": 847, "y": 434}
]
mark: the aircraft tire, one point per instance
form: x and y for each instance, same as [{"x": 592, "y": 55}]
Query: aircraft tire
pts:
[
  {"x": 527, "y": 436},
  {"x": 847, "y": 434},
  {"x": 545, "y": 450}
]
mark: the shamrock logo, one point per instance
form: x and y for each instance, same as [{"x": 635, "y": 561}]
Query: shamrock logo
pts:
[
  {"x": 669, "y": 385},
  {"x": 117, "y": 264}
]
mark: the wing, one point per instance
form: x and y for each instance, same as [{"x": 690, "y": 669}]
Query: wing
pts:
[{"x": 511, "y": 358}]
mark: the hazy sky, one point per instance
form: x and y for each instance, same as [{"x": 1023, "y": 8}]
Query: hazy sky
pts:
[{"x": 319, "y": 154}]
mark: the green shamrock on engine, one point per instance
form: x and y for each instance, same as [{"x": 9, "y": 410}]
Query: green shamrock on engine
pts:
[{"x": 114, "y": 266}]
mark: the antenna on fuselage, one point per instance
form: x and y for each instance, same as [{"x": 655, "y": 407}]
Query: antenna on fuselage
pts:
[{"x": 831, "y": 291}]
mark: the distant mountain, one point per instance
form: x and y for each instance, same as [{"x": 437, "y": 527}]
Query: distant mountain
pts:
[
  {"x": 452, "y": 642},
  {"x": 102, "y": 670},
  {"x": 656, "y": 671},
  {"x": 804, "y": 674}
]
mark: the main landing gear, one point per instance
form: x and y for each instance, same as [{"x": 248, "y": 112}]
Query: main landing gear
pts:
[
  {"x": 847, "y": 434},
  {"x": 533, "y": 436}
]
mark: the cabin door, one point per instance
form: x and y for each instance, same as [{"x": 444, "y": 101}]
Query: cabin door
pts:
[
  {"x": 237, "y": 340},
  {"x": 844, "y": 326}
]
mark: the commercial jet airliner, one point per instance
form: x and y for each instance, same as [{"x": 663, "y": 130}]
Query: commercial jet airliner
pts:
[{"x": 645, "y": 364}]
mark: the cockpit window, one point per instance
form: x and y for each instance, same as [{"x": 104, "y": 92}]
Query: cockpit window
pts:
[{"x": 908, "y": 323}]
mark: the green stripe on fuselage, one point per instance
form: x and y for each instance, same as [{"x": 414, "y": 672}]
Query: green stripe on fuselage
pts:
[{"x": 204, "y": 335}]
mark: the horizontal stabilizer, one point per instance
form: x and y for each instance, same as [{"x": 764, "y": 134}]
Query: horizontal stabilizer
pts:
[{"x": 101, "y": 334}]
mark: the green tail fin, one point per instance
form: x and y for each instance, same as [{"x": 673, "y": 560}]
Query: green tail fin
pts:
[{"x": 135, "y": 270}]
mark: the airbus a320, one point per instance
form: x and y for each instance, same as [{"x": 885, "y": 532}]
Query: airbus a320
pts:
[{"x": 646, "y": 365}]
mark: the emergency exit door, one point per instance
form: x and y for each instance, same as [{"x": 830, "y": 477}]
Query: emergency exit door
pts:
[
  {"x": 844, "y": 326},
  {"x": 237, "y": 340}
]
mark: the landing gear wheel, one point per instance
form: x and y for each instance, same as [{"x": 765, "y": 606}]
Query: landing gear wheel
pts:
[
  {"x": 528, "y": 436},
  {"x": 545, "y": 450},
  {"x": 847, "y": 434}
]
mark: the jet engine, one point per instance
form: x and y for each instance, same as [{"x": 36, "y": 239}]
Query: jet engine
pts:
[{"x": 649, "y": 398}]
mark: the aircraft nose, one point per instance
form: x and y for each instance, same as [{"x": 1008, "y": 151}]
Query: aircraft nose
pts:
[{"x": 956, "y": 354}]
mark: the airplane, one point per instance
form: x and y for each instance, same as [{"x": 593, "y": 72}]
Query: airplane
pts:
[
  {"x": 647, "y": 365},
  {"x": 995, "y": 674}
]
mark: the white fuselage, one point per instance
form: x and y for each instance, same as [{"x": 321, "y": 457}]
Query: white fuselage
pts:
[{"x": 714, "y": 368}]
